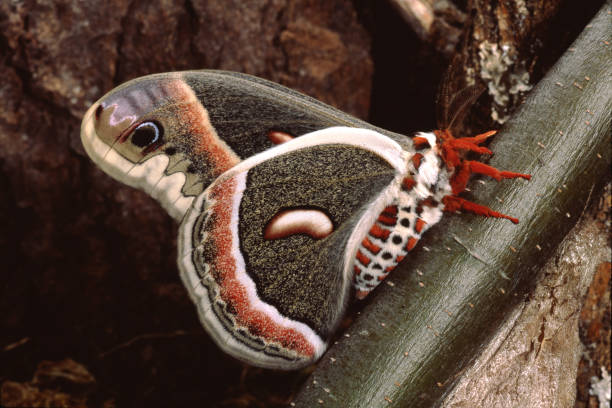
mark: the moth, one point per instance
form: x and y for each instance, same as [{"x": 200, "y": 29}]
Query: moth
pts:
[{"x": 287, "y": 207}]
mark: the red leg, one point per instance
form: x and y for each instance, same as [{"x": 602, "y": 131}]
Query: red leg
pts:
[
  {"x": 454, "y": 203},
  {"x": 481, "y": 168},
  {"x": 467, "y": 145},
  {"x": 460, "y": 179},
  {"x": 479, "y": 138},
  {"x": 462, "y": 175}
]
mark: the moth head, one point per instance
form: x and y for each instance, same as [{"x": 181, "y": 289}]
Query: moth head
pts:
[{"x": 453, "y": 152}]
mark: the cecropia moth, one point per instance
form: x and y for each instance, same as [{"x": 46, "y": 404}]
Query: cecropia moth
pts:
[{"x": 287, "y": 207}]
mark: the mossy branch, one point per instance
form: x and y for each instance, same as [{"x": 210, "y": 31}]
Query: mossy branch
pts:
[{"x": 414, "y": 339}]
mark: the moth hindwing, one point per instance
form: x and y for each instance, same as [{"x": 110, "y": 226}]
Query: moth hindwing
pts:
[{"x": 276, "y": 298}]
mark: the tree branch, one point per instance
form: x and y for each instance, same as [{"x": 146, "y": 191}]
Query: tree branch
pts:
[{"x": 414, "y": 339}]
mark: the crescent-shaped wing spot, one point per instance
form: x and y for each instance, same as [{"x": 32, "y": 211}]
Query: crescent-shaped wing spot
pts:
[
  {"x": 314, "y": 223},
  {"x": 278, "y": 137}
]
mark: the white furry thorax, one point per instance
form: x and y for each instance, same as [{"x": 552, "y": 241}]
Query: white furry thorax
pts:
[{"x": 432, "y": 177}]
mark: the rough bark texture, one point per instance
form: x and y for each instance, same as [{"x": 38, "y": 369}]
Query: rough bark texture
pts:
[
  {"x": 92, "y": 312},
  {"x": 501, "y": 50},
  {"x": 439, "y": 22},
  {"x": 532, "y": 361}
]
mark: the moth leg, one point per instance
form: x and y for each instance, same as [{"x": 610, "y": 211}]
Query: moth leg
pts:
[
  {"x": 461, "y": 177},
  {"x": 478, "y": 139},
  {"x": 464, "y": 143},
  {"x": 481, "y": 168},
  {"x": 454, "y": 203},
  {"x": 451, "y": 145}
]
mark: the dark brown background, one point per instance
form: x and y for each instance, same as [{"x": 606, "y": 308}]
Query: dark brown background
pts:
[{"x": 88, "y": 269}]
